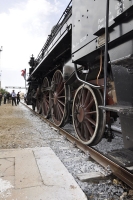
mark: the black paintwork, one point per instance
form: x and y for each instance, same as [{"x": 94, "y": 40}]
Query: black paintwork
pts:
[{"x": 81, "y": 38}]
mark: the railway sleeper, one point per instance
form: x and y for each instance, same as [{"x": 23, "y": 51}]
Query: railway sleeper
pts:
[{"x": 93, "y": 176}]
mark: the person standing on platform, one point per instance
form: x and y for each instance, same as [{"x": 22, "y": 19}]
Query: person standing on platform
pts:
[
  {"x": 18, "y": 98},
  {"x": 0, "y": 98},
  {"x": 5, "y": 96},
  {"x": 8, "y": 96},
  {"x": 13, "y": 95}
]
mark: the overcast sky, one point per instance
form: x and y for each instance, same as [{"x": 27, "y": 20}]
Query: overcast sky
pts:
[{"x": 24, "y": 27}]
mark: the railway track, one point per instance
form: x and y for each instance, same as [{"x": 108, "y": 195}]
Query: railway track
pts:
[{"x": 125, "y": 175}]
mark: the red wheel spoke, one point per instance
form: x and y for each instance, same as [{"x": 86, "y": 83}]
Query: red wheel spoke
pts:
[
  {"x": 61, "y": 97},
  {"x": 61, "y": 102},
  {"x": 91, "y": 121},
  {"x": 45, "y": 103},
  {"x": 83, "y": 129},
  {"x": 89, "y": 127},
  {"x": 61, "y": 108},
  {"x": 90, "y": 104},
  {"x": 76, "y": 107},
  {"x": 58, "y": 98},
  {"x": 61, "y": 91},
  {"x": 77, "y": 125},
  {"x": 87, "y": 98},
  {"x": 55, "y": 112},
  {"x": 86, "y": 133},
  {"x": 90, "y": 113},
  {"x": 59, "y": 87},
  {"x": 79, "y": 99},
  {"x": 46, "y": 100},
  {"x": 83, "y": 96},
  {"x": 60, "y": 112}
]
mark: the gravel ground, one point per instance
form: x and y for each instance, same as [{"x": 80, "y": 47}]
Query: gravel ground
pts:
[{"x": 20, "y": 128}]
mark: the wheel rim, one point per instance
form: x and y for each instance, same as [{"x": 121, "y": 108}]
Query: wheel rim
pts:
[
  {"x": 58, "y": 99},
  {"x": 102, "y": 118},
  {"x": 45, "y": 100},
  {"x": 85, "y": 114}
]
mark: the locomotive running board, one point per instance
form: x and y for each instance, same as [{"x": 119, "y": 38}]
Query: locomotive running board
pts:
[
  {"x": 124, "y": 61},
  {"x": 116, "y": 108},
  {"x": 123, "y": 157}
]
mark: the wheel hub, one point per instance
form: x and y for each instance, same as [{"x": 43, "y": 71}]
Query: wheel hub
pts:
[{"x": 80, "y": 114}]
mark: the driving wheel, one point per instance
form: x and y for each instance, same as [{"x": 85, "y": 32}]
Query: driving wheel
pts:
[{"x": 88, "y": 119}]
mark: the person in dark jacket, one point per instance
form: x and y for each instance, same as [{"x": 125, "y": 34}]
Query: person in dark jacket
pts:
[
  {"x": 8, "y": 96},
  {"x": 0, "y": 98},
  {"x": 18, "y": 98},
  {"x": 5, "y": 96}
]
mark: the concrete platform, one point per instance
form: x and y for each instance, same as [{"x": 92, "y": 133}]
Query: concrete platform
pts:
[{"x": 36, "y": 174}]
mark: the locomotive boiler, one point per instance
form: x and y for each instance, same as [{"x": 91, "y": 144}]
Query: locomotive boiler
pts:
[{"x": 84, "y": 72}]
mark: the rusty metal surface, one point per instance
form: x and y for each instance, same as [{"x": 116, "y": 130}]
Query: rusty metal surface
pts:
[
  {"x": 123, "y": 174},
  {"x": 45, "y": 99},
  {"x": 85, "y": 114},
  {"x": 58, "y": 100}
]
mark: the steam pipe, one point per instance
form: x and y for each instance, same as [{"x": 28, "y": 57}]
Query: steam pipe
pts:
[{"x": 82, "y": 81}]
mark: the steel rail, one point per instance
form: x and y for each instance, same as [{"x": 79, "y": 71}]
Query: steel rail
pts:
[{"x": 120, "y": 172}]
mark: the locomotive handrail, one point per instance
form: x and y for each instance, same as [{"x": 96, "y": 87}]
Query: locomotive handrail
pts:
[
  {"x": 106, "y": 53},
  {"x": 54, "y": 32},
  {"x": 84, "y": 82}
]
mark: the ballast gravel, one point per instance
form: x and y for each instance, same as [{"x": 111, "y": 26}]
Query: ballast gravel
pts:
[{"x": 34, "y": 132}]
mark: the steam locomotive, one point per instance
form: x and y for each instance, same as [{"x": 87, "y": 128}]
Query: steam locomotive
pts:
[{"x": 84, "y": 72}]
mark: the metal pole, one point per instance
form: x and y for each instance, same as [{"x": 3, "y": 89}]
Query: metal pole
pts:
[
  {"x": 106, "y": 52},
  {"x": 0, "y": 64}
]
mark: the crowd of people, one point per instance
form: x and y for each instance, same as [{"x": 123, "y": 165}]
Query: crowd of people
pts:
[{"x": 10, "y": 97}]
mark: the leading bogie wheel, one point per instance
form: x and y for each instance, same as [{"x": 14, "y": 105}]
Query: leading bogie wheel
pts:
[{"x": 88, "y": 119}]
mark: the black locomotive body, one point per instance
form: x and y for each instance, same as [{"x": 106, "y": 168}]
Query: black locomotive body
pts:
[{"x": 84, "y": 72}]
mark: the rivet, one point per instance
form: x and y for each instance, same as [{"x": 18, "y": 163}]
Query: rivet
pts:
[{"x": 127, "y": 137}]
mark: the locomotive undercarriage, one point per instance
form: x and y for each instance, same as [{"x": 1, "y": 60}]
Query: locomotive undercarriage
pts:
[
  {"x": 71, "y": 101},
  {"x": 65, "y": 99}
]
